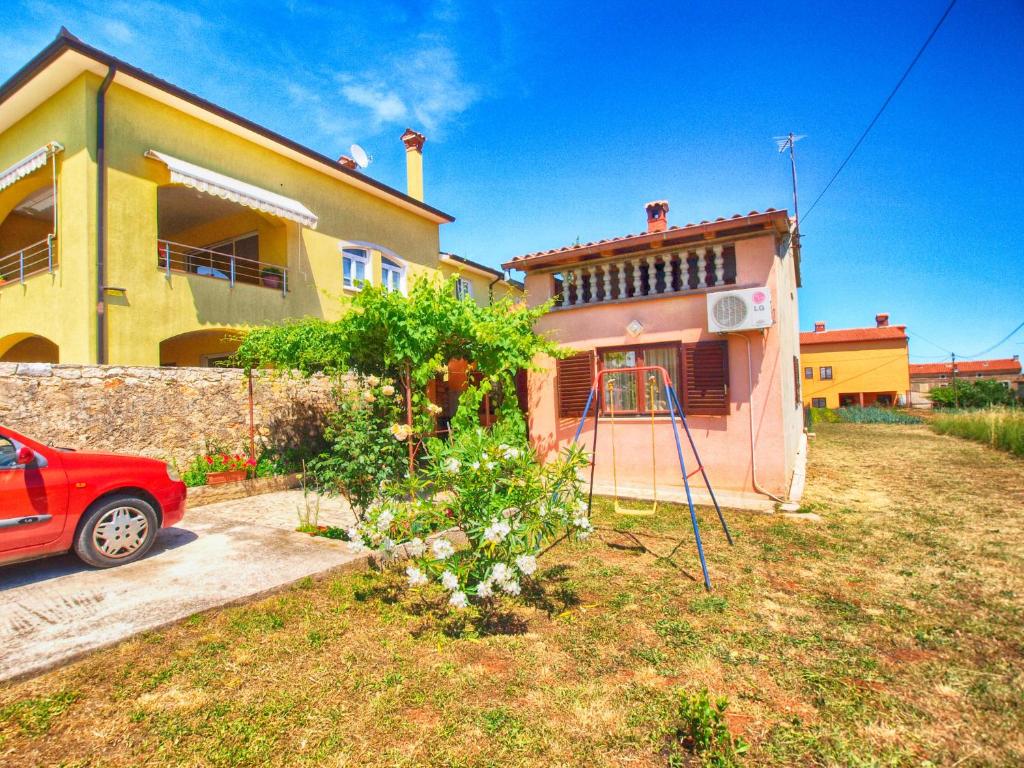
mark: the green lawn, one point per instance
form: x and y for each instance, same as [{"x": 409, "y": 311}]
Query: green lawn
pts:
[{"x": 889, "y": 634}]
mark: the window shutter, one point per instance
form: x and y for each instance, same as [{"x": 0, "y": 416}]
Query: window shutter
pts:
[
  {"x": 575, "y": 376},
  {"x": 706, "y": 378}
]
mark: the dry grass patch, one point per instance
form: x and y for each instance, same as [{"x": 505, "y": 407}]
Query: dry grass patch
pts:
[{"x": 890, "y": 634}]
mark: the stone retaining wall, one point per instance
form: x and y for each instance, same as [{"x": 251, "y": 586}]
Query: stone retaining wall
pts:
[{"x": 167, "y": 413}]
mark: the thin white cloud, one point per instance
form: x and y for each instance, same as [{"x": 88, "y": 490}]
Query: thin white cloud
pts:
[{"x": 386, "y": 106}]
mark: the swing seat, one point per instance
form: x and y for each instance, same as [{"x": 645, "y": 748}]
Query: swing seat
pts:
[{"x": 620, "y": 510}]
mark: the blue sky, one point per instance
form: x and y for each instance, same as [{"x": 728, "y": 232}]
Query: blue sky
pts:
[{"x": 552, "y": 121}]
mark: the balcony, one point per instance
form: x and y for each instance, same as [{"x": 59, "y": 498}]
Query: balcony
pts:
[
  {"x": 220, "y": 264},
  {"x": 34, "y": 259},
  {"x": 687, "y": 270}
]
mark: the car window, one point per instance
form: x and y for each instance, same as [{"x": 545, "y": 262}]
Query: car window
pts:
[{"x": 8, "y": 453}]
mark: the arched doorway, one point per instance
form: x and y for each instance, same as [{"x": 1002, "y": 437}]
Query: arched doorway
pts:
[
  {"x": 199, "y": 349},
  {"x": 28, "y": 348}
]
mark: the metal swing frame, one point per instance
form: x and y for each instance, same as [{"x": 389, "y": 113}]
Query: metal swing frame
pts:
[{"x": 674, "y": 411}]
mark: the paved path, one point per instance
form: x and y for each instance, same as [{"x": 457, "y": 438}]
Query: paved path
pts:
[{"x": 54, "y": 610}]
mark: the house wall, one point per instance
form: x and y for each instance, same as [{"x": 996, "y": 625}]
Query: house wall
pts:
[
  {"x": 155, "y": 306},
  {"x": 59, "y": 307},
  {"x": 723, "y": 441},
  {"x": 870, "y": 367}
]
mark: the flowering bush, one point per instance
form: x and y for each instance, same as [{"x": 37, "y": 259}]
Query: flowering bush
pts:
[
  {"x": 490, "y": 486},
  {"x": 224, "y": 462},
  {"x": 364, "y": 452}
]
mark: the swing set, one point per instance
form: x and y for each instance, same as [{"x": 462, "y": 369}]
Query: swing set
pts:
[{"x": 653, "y": 373}]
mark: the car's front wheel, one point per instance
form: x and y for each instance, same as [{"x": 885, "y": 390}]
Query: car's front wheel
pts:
[{"x": 115, "y": 531}]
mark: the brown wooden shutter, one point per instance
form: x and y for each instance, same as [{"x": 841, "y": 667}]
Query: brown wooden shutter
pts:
[
  {"x": 575, "y": 377},
  {"x": 706, "y": 378}
]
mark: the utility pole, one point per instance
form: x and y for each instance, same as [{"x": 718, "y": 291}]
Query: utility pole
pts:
[{"x": 956, "y": 393}]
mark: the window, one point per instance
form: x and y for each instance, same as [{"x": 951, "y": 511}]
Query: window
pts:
[
  {"x": 808, "y": 373},
  {"x": 393, "y": 275},
  {"x": 825, "y": 372},
  {"x": 463, "y": 288},
  {"x": 698, "y": 373},
  {"x": 354, "y": 265},
  {"x": 8, "y": 453},
  {"x": 817, "y": 402},
  {"x": 215, "y": 260}
]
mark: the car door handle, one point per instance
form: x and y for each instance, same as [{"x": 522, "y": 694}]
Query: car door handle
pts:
[{"x": 13, "y": 522}]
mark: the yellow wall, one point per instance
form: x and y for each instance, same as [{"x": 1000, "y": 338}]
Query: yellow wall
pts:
[
  {"x": 191, "y": 348},
  {"x": 61, "y": 306},
  {"x": 877, "y": 366},
  {"x": 155, "y": 307}
]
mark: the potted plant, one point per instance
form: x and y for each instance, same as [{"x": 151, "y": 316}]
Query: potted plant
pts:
[
  {"x": 225, "y": 468},
  {"x": 272, "y": 277}
]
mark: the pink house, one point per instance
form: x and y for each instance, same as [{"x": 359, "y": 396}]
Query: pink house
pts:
[{"x": 714, "y": 304}]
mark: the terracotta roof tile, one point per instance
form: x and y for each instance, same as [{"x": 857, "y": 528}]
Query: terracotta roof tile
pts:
[
  {"x": 1003, "y": 365},
  {"x": 841, "y": 335}
]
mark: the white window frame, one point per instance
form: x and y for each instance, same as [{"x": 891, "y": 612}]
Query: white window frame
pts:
[
  {"x": 463, "y": 288},
  {"x": 394, "y": 265},
  {"x": 348, "y": 251}
]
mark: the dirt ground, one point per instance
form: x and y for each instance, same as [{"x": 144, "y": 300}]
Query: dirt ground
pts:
[{"x": 890, "y": 633}]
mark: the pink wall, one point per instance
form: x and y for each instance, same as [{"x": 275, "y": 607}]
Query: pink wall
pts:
[{"x": 723, "y": 441}]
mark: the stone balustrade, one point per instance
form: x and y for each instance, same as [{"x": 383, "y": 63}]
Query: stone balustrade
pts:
[{"x": 646, "y": 275}]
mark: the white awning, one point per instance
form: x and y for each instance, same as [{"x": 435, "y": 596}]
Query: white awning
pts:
[
  {"x": 219, "y": 185},
  {"x": 26, "y": 165}
]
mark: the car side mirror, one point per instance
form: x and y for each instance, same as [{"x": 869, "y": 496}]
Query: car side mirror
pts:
[{"x": 25, "y": 455}]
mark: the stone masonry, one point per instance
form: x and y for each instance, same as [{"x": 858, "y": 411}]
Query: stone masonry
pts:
[{"x": 167, "y": 413}]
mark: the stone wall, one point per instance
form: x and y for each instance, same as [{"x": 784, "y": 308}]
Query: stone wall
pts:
[{"x": 167, "y": 413}]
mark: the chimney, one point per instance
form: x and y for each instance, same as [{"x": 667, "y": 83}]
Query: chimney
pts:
[
  {"x": 414, "y": 162},
  {"x": 347, "y": 162},
  {"x": 882, "y": 319},
  {"x": 819, "y": 326},
  {"x": 657, "y": 216}
]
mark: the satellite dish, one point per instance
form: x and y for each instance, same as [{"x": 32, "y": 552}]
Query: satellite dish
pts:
[{"x": 359, "y": 155}]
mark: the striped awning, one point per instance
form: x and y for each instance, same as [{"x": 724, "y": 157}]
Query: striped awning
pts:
[
  {"x": 227, "y": 188},
  {"x": 26, "y": 165}
]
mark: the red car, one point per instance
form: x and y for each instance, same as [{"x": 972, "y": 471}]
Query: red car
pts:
[{"x": 106, "y": 507}]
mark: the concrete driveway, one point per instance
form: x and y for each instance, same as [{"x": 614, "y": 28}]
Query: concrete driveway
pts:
[{"x": 54, "y": 610}]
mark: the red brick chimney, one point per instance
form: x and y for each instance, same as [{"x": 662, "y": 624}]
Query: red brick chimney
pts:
[
  {"x": 657, "y": 216},
  {"x": 882, "y": 319},
  {"x": 819, "y": 326},
  {"x": 347, "y": 162}
]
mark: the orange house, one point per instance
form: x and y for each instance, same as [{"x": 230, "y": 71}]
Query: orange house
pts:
[{"x": 675, "y": 297}]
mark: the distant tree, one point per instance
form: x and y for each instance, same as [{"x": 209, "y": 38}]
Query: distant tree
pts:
[{"x": 979, "y": 393}]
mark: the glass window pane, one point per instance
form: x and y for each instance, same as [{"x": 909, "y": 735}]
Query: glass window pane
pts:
[
  {"x": 667, "y": 358},
  {"x": 347, "y": 267},
  {"x": 622, "y": 385},
  {"x": 248, "y": 248}
]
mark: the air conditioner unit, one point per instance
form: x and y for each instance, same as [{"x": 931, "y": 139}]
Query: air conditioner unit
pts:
[{"x": 743, "y": 310}]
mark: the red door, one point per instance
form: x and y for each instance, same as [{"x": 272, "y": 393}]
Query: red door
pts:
[{"x": 33, "y": 498}]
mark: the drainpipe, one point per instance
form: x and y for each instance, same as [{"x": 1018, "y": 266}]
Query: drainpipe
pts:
[
  {"x": 101, "y": 216},
  {"x": 490, "y": 290},
  {"x": 753, "y": 452}
]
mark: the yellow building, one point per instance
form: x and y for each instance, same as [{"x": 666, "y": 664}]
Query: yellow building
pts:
[
  {"x": 141, "y": 224},
  {"x": 855, "y": 366},
  {"x": 481, "y": 283}
]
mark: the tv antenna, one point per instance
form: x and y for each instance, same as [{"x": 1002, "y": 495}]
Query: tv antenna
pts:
[
  {"x": 359, "y": 155},
  {"x": 789, "y": 142}
]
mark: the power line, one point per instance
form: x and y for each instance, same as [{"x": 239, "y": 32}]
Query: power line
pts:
[
  {"x": 937, "y": 346},
  {"x": 998, "y": 343},
  {"x": 881, "y": 109}
]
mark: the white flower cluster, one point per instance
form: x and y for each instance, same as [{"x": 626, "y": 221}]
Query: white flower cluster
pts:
[
  {"x": 497, "y": 531},
  {"x": 442, "y": 548}
]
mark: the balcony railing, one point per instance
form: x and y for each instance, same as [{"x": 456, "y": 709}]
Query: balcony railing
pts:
[
  {"x": 187, "y": 259},
  {"x": 634, "y": 277},
  {"x": 31, "y": 260}
]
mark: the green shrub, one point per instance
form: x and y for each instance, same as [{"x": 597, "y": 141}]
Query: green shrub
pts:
[
  {"x": 876, "y": 415},
  {"x": 701, "y": 731},
  {"x": 1002, "y": 428},
  {"x": 972, "y": 394},
  {"x": 823, "y": 415}
]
